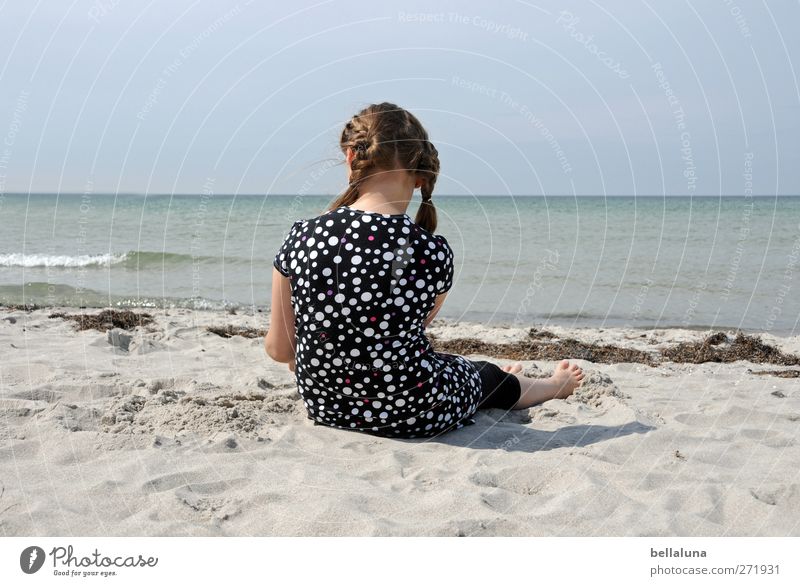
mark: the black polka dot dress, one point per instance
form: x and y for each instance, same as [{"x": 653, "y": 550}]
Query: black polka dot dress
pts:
[{"x": 362, "y": 285}]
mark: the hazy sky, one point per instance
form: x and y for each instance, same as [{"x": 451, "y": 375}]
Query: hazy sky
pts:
[{"x": 616, "y": 97}]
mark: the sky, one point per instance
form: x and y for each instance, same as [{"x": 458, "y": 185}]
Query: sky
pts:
[{"x": 556, "y": 98}]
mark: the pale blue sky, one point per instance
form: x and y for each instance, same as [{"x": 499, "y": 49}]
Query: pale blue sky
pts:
[{"x": 519, "y": 97}]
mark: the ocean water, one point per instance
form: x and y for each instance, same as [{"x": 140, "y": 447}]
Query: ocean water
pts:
[{"x": 697, "y": 262}]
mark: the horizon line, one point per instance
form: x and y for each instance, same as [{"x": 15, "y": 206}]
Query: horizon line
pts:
[{"x": 183, "y": 194}]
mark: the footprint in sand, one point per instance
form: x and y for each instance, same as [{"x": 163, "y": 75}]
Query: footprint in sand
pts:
[
  {"x": 170, "y": 481},
  {"x": 547, "y": 414},
  {"x": 40, "y": 394}
]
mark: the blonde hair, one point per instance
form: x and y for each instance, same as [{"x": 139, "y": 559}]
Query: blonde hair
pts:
[{"x": 385, "y": 137}]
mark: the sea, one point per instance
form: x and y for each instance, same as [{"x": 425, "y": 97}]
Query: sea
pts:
[{"x": 700, "y": 262}]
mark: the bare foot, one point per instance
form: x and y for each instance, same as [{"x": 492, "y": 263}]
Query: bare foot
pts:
[
  {"x": 566, "y": 377},
  {"x": 512, "y": 368},
  {"x": 563, "y": 382}
]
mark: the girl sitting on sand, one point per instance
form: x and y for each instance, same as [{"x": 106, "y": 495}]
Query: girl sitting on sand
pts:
[{"x": 354, "y": 289}]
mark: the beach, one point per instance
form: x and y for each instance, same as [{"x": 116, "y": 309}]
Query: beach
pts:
[
  {"x": 597, "y": 261},
  {"x": 164, "y": 427}
]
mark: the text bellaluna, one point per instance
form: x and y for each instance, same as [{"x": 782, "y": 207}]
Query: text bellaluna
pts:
[{"x": 677, "y": 553}]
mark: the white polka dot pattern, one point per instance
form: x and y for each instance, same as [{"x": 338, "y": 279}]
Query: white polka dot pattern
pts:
[{"x": 362, "y": 285}]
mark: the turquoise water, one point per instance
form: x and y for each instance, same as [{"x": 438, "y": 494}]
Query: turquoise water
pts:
[{"x": 617, "y": 261}]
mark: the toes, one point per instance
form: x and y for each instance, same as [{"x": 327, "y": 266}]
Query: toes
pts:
[{"x": 564, "y": 364}]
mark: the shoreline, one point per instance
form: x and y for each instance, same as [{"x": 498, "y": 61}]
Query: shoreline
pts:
[
  {"x": 652, "y": 346},
  {"x": 256, "y": 311}
]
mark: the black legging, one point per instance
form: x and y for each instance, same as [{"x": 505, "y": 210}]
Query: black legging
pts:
[{"x": 501, "y": 389}]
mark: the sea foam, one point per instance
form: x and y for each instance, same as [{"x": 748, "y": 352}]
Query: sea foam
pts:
[{"x": 18, "y": 259}]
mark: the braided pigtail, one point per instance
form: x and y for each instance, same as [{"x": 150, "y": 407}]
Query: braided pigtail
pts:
[
  {"x": 355, "y": 136},
  {"x": 428, "y": 170},
  {"x": 385, "y": 137}
]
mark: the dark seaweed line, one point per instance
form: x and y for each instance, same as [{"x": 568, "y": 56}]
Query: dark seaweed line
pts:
[
  {"x": 742, "y": 347},
  {"x": 540, "y": 344}
]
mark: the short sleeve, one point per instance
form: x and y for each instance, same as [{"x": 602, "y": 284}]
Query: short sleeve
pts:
[
  {"x": 283, "y": 257},
  {"x": 447, "y": 269}
]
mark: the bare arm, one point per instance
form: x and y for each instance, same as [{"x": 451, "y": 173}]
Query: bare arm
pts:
[
  {"x": 280, "y": 339},
  {"x": 436, "y": 307}
]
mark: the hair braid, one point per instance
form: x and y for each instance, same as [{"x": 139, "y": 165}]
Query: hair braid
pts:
[
  {"x": 428, "y": 170},
  {"x": 385, "y": 137}
]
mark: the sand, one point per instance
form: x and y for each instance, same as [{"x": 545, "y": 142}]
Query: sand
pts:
[{"x": 190, "y": 433}]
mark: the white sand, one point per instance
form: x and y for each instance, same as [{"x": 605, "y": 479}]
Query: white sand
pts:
[{"x": 189, "y": 433}]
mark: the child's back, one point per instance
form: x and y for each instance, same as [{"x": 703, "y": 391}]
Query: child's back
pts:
[{"x": 362, "y": 285}]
